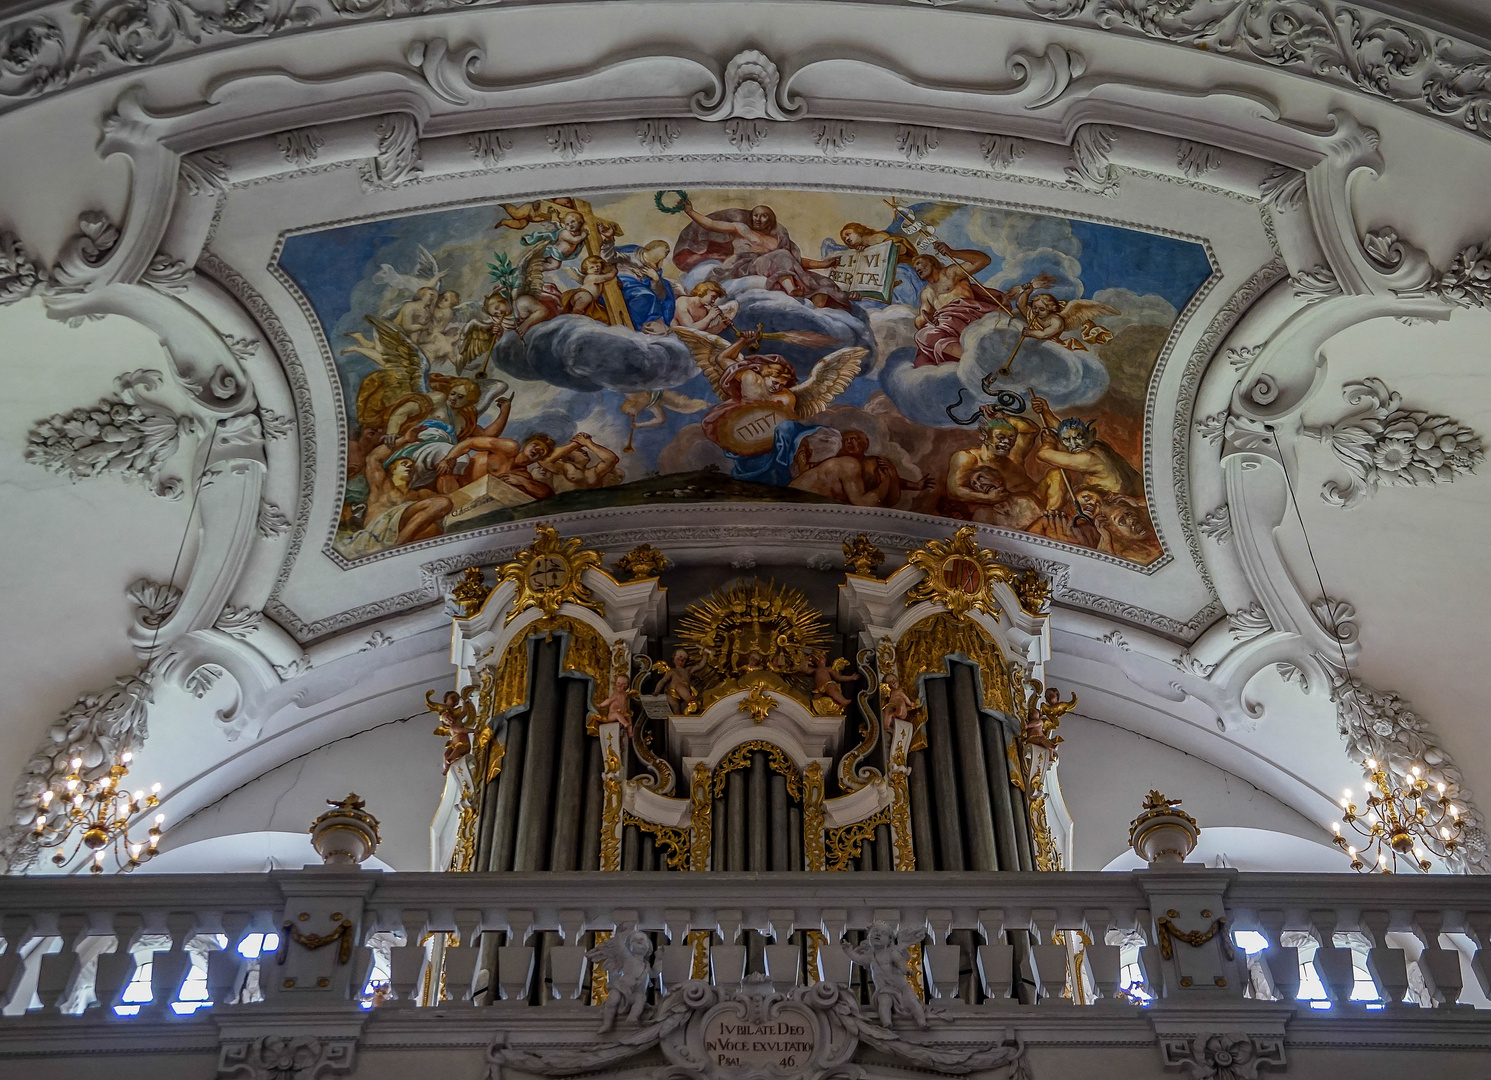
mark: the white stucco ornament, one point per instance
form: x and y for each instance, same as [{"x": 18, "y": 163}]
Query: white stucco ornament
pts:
[
  {"x": 714, "y": 1033},
  {"x": 1163, "y": 835},
  {"x": 750, "y": 89}
]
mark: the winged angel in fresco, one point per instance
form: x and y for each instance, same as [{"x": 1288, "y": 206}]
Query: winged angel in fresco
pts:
[
  {"x": 760, "y": 399},
  {"x": 419, "y": 413}
]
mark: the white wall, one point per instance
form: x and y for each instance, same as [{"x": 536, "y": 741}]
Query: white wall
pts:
[
  {"x": 1106, "y": 771},
  {"x": 395, "y": 767}
]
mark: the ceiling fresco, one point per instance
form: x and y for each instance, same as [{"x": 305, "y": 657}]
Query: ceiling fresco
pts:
[{"x": 502, "y": 361}]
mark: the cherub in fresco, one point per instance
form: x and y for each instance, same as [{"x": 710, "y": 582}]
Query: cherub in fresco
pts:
[
  {"x": 396, "y": 513},
  {"x": 751, "y": 243},
  {"x": 706, "y": 308},
  {"x": 484, "y": 331},
  {"x": 851, "y": 476},
  {"x": 894, "y": 704},
  {"x": 580, "y": 464},
  {"x": 423, "y": 283},
  {"x": 522, "y": 215},
  {"x": 493, "y": 454},
  {"x": 413, "y": 315},
  {"x": 595, "y": 273},
  {"x": 827, "y": 676},
  {"x": 521, "y": 295},
  {"x": 438, "y": 340},
  {"x": 562, "y": 239},
  {"x": 1049, "y": 319}
]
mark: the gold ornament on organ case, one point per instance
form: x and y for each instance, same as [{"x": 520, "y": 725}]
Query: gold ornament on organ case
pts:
[
  {"x": 862, "y": 557},
  {"x": 548, "y": 573},
  {"x": 642, "y": 562},
  {"x": 753, "y": 634},
  {"x": 959, "y": 574},
  {"x": 471, "y": 592}
]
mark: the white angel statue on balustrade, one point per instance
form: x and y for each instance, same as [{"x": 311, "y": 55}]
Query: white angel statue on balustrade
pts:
[
  {"x": 628, "y": 971},
  {"x": 885, "y": 953}
]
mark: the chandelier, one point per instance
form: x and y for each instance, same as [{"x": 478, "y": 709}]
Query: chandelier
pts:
[
  {"x": 99, "y": 811},
  {"x": 1399, "y": 823}
]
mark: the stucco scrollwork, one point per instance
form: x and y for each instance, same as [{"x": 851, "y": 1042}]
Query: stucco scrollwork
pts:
[
  {"x": 750, "y": 89},
  {"x": 155, "y": 600},
  {"x": 1386, "y": 444},
  {"x": 398, "y": 157},
  {"x": 286, "y": 1057},
  {"x": 1226, "y": 1056},
  {"x": 1090, "y": 168},
  {"x": 1387, "y": 58}
]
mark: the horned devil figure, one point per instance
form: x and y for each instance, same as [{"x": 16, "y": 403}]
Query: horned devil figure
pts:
[
  {"x": 886, "y": 955},
  {"x": 625, "y": 956}
]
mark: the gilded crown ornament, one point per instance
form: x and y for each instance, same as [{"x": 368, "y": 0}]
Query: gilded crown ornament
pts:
[
  {"x": 862, "y": 557},
  {"x": 1399, "y": 823},
  {"x": 471, "y": 592},
  {"x": 642, "y": 562},
  {"x": 549, "y": 573},
  {"x": 958, "y": 575}
]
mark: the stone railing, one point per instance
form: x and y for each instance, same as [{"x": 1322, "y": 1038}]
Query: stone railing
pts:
[{"x": 76, "y": 947}]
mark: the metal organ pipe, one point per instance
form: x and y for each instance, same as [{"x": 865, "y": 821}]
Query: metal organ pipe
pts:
[
  {"x": 564, "y": 851},
  {"x": 535, "y": 808}
]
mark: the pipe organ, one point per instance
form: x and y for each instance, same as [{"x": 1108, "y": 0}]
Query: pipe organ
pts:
[{"x": 597, "y": 728}]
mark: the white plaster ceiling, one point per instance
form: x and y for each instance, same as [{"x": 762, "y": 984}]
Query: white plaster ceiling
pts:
[{"x": 1407, "y": 558}]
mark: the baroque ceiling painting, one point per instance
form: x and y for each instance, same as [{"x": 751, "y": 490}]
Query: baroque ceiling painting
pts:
[{"x": 511, "y": 359}]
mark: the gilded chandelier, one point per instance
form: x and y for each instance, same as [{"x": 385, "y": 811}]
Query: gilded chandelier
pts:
[
  {"x": 100, "y": 811},
  {"x": 1399, "y": 823}
]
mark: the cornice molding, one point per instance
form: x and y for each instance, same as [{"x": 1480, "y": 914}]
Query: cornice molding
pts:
[{"x": 51, "y": 48}]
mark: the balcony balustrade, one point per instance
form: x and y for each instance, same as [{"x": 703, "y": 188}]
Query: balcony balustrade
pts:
[{"x": 75, "y": 948}]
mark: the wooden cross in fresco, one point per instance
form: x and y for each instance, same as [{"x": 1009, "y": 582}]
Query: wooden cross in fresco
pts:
[{"x": 615, "y": 303}]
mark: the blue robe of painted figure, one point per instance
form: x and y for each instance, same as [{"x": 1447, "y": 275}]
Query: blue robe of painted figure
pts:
[
  {"x": 772, "y": 466},
  {"x": 642, "y": 303}
]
